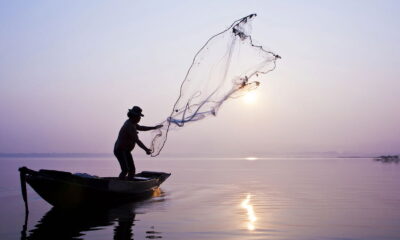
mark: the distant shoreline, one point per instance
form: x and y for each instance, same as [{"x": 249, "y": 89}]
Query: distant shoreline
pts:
[
  {"x": 185, "y": 155},
  {"x": 55, "y": 155}
]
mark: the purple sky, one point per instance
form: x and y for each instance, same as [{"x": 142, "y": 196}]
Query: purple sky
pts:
[{"x": 69, "y": 71}]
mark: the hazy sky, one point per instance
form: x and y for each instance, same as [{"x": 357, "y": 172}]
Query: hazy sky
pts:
[{"x": 69, "y": 70}]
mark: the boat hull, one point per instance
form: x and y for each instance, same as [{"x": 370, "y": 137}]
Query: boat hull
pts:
[{"x": 65, "y": 190}]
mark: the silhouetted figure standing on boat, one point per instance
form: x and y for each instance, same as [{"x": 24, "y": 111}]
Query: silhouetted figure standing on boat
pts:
[{"x": 127, "y": 139}]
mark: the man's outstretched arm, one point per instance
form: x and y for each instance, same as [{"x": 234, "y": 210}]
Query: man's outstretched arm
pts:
[
  {"x": 146, "y": 128},
  {"x": 142, "y": 146}
]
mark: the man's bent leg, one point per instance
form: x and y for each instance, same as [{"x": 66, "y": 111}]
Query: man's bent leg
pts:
[
  {"x": 120, "y": 155},
  {"x": 131, "y": 166}
]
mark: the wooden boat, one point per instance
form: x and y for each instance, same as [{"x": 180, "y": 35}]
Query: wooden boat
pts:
[{"x": 67, "y": 190}]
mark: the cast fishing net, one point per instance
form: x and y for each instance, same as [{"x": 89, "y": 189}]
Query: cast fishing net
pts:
[{"x": 227, "y": 66}]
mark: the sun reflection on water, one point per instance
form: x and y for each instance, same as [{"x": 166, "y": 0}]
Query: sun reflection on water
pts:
[
  {"x": 157, "y": 192},
  {"x": 251, "y": 216}
]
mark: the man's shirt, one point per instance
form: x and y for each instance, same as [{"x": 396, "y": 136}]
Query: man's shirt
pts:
[{"x": 127, "y": 137}]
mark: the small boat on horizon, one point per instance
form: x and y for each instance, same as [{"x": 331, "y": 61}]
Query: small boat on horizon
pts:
[
  {"x": 68, "y": 190},
  {"x": 388, "y": 159}
]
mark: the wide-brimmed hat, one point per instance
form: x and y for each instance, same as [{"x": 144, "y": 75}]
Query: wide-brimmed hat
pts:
[{"x": 136, "y": 111}]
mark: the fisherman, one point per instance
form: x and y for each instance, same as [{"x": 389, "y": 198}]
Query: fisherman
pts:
[{"x": 127, "y": 138}]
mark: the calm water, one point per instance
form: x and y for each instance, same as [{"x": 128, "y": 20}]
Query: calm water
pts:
[{"x": 221, "y": 199}]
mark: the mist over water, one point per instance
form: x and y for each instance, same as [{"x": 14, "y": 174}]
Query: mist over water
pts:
[{"x": 243, "y": 198}]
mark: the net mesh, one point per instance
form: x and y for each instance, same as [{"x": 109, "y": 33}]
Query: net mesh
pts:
[{"x": 227, "y": 66}]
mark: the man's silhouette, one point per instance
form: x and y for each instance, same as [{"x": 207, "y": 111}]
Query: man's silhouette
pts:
[{"x": 127, "y": 139}]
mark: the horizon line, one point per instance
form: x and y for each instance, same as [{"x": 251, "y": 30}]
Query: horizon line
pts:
[{"x": 331, "y": 154}]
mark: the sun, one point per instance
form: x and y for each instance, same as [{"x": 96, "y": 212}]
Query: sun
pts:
[{"x": 250, "y": 97}]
